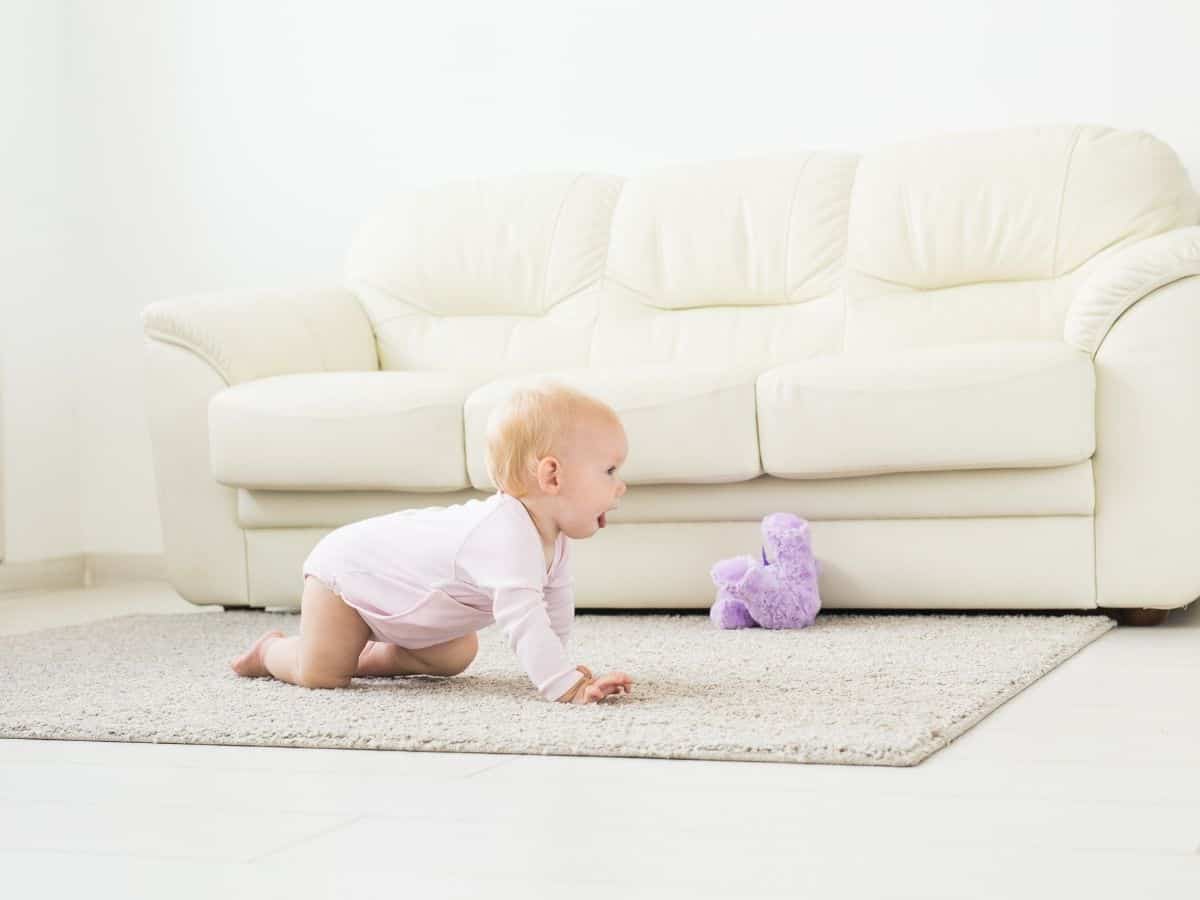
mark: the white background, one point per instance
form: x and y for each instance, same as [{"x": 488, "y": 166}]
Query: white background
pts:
[{"x": 158, "y": 148}]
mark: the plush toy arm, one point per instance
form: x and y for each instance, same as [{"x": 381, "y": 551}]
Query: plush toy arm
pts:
[{"x": 728, "y": 573}]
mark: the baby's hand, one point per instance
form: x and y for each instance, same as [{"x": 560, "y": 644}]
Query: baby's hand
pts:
[{"x": 596, "y": 690}]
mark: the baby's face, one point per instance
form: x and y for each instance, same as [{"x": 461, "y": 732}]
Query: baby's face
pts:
[{"x": 591, "y": 483}]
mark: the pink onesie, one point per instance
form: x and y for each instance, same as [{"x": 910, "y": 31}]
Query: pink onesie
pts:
[{"x": 424, "y": 576}]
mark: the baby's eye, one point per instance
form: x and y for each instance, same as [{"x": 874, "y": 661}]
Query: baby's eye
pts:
[{"x": 611, "y": 469}]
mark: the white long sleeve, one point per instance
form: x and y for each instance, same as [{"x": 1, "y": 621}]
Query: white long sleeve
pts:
[
  {"x": 503, "y": 558},
  {"x": 560, "y": 598},
  {"x": 522, "y": 616}
]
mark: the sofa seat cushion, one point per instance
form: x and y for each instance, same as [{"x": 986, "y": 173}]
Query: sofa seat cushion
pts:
[
  {"x": 685, "y": 425},
  {"x": 341, "y": 431},
  {"x": 964, "y": 406}
]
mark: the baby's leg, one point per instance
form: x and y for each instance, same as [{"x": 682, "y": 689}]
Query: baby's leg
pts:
[
  {"x": 450, "y": 658},
  {"x": 325, "y": 655}
]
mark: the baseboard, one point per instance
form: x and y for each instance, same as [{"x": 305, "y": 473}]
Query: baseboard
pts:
[
  {"x": 110, "y": 568},
  {"x": 81, "y": 570},
  {"x": 43, "y": 574}
]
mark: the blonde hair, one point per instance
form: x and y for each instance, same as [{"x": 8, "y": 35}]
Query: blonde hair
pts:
[{"x": 532, "y": 423}]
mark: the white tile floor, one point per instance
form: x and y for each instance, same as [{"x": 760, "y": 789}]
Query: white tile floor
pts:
[{"x": 1085, "y": 785}]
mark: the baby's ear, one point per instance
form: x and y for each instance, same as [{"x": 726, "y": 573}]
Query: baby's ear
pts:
[{"x": 549, "y": 475}]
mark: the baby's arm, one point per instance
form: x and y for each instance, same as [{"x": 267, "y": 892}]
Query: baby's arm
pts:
[
  {"x": 560, "y": 607},
  {"x": 560, "y": 596},
  {"x": 525, "y": 620},
  {"x": 522, "y": 616},
  {"x": 503, "y": 560}
]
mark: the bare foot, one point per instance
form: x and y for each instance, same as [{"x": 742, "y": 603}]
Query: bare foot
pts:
[{"x": 250, "y": 663}]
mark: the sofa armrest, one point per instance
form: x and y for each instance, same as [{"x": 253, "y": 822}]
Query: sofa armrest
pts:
[
  {"x": 195, "y": 348},
  {"x": 1125, "y": 279},
  {"x": 245, "y": 335},
  {"x": 1147, "y": 432}
]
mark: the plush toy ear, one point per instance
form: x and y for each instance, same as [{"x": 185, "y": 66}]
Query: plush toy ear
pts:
[
  {"x": 785, "y": 537},
  {"x": 781, "y": 521}
]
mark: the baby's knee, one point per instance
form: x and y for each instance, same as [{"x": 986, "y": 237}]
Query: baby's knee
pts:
[
  {"x": 463, "y": 652},
  {"x": 470, "y": 649}
]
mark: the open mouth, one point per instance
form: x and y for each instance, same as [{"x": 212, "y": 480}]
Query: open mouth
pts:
[{"x": 602, "y": 519}]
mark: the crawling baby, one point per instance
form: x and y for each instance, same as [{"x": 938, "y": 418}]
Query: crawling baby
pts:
[{"x": 405, "y": 593}]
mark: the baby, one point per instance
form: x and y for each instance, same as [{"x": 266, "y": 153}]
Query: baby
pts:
[{"x": 404, "y": 593}]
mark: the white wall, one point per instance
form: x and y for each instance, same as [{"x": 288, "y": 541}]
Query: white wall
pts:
[
  {"x": 236, "y": 144},
  {"x": 38, "y": 337}
]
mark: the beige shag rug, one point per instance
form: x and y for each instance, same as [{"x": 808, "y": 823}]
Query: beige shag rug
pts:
[{"x": 872, "y": 689}]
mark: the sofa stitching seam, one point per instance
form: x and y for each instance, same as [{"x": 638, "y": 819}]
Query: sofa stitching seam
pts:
[
  {"x": 554, "y": 238},
  {"x": 604, "y": 276},
  {"x": 177, "y": 341},
  {"x": 1061, "y": 202},
  {"x": 787, "y": 238}
]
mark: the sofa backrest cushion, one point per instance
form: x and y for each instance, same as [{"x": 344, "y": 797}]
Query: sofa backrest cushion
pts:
[
  {"x": 498, "y": 246},
  {"x": 738, "y": 262},
  {"x": 965, "y": 237},
  {"x": 985, "y": 236},
  {"x": 465, "y": 275},
  {"x": 745, "y": 232}
]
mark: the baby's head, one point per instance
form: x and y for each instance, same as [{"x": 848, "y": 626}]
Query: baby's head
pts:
[{"x": 557, "y": 450}]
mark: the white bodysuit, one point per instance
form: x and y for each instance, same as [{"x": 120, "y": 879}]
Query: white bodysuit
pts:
[{"x": 424, "y": 576}]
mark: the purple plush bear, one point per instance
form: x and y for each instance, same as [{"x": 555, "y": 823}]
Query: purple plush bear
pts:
[{"x": 779, "y": 593}]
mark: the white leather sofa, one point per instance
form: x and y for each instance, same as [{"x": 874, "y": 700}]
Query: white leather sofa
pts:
[{"x": 971, "y": 361}]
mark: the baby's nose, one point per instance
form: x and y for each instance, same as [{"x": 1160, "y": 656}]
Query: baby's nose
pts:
[{"x": 621, "y": 489}]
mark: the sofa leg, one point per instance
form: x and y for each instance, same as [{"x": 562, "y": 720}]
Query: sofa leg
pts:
[{"x": 1132, "y": 615}]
